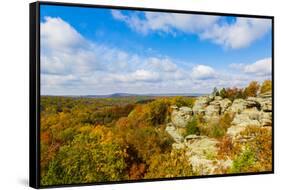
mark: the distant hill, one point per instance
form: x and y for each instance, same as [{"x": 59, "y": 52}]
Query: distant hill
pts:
[{"x": 116, "y": 95}]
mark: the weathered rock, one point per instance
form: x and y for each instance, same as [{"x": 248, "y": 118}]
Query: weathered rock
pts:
[
  {"x": 248, "y": 117},
  {"x": 266, "y": 119},
  {"x": 202, "y": 154},
  {"x": 201, "y": 103},
  {"x": 178, "y": 146},
  {"x": 235, "y": 130},
  {"x": 217, "y": 98},
  {"x": 202, "y": 150},
  {"x": 202, "y": 146},
  {"x": 172, "y": 131},
  {"x": 212, "y": 111},
  {"x": 224, "y": 104},
  {"x": 192, "y": 137},
  {"x": 253, "y": 102},
  {"x": 252, "y": 113},
  {"x": 237, "y": 106},
  {"x": 180, "y": 117},
  {"x": 266, "y": 105}
]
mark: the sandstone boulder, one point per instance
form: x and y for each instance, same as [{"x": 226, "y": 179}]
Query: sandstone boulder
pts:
[
  {"x": 212, "y": 111},
  {"x": 203, "y": 145},
  {"x": 172, "y": 131},
  {"x": 224, "y": 104},
  {"x": 201, "y": 103},
  {"x": 237, "y": 106},
  {"x": 180, "y": 117},
  {"x": 202, "y": 152},
  {"x": 248, "y": 117},
  {"x": 266, "y": 119}
]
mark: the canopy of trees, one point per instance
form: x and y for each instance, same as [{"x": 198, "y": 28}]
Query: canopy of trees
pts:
[{"x": 87, "y": 140}]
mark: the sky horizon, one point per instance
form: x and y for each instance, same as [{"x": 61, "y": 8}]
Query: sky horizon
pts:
[{"x": 95, "y": 51}]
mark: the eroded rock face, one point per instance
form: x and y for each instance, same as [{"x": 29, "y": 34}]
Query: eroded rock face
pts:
[
  {"x": 212, "y": 111},
  {"x": 202, "y": 153},
  {"x": 224, "y": 104},
  {"x": 172, "y": 131},
  {"x": 201, "y": 103},
  {"x": 181, "y": 116},
  {"x": 254, "y": 111},
  {"x": 202, "y": 150},
  {"x": 237, "y": 106},
  {"x": 266, "y": 119}
]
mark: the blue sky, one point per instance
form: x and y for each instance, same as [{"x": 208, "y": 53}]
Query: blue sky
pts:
[{"x": 102, "y": 51}]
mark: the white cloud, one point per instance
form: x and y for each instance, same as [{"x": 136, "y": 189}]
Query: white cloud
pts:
[
  {"x": 76, "y": 63},
  {"x": 163, "y": 64},
  {"x": 165, "y": 22},
  {"x": 261, "y": 67},
  {"x": 56, "y": 33},
  {"x": 75, "y": 67},
  {"x": 137, "y": 76},
  {"x": 239, "y": 34},
  {"x": 203, "y": 72}
]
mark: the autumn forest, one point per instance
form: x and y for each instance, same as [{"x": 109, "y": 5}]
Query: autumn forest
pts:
[{"x": 88, "y": 140}]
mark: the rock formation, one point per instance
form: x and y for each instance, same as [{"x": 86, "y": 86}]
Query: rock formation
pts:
[
  {"x": 252, "y": 111},
  {"x": 181, "y": 116}
]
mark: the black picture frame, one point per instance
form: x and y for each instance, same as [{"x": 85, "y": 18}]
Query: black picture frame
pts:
[{"x": 34, "y": 90}]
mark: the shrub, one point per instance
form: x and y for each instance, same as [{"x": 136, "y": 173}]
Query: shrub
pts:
[
  {"x": 157, "y": 112},
  {"x": 244, "y": 162},
  {"x": 266, "y": 86},
  {"x": 213, "y": 130},
  {"x": 225, "y": 120},
  {"x": 255, "y": 155},
  {"x": 223, "y": 93},
  {"x": 169, "y": 165},
  {"x": 261, "y": 145},
  {"x": 183, "y": 101},
  {"x": 234, "y": 93},
  {"x": 252, "y": 89},
  {"x": 192, "y": 127}
]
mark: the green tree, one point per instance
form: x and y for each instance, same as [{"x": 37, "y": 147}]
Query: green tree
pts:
[
  {"x": 223, "y": 93},
  {"x": 215, "y": 92}
]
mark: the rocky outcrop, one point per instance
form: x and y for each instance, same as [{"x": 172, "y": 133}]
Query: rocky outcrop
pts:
[
  {"x": 237, "y": 106},
  {"x": 254, "y": 111},
  {"x": 224, "y": 104},
  {"x": 202, "y": 150},
  {"x": 211, "y": 107},
  {"x": 172, "y": 131},
  {"x": 201, "y": 103},
  {"x": 181, "y": 116}
]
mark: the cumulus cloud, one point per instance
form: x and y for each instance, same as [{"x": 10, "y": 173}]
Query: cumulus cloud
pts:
[
  {"x": 75, "y": 62},
  {"x": 73, "y": 65},
  {"x": 165, "y": 22},
  {"x": 56, "y": 33},
  {"x": 238, "y": 34},
  {"x": 203, "y": 72},
  {"x": 261, "y": 67}
]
